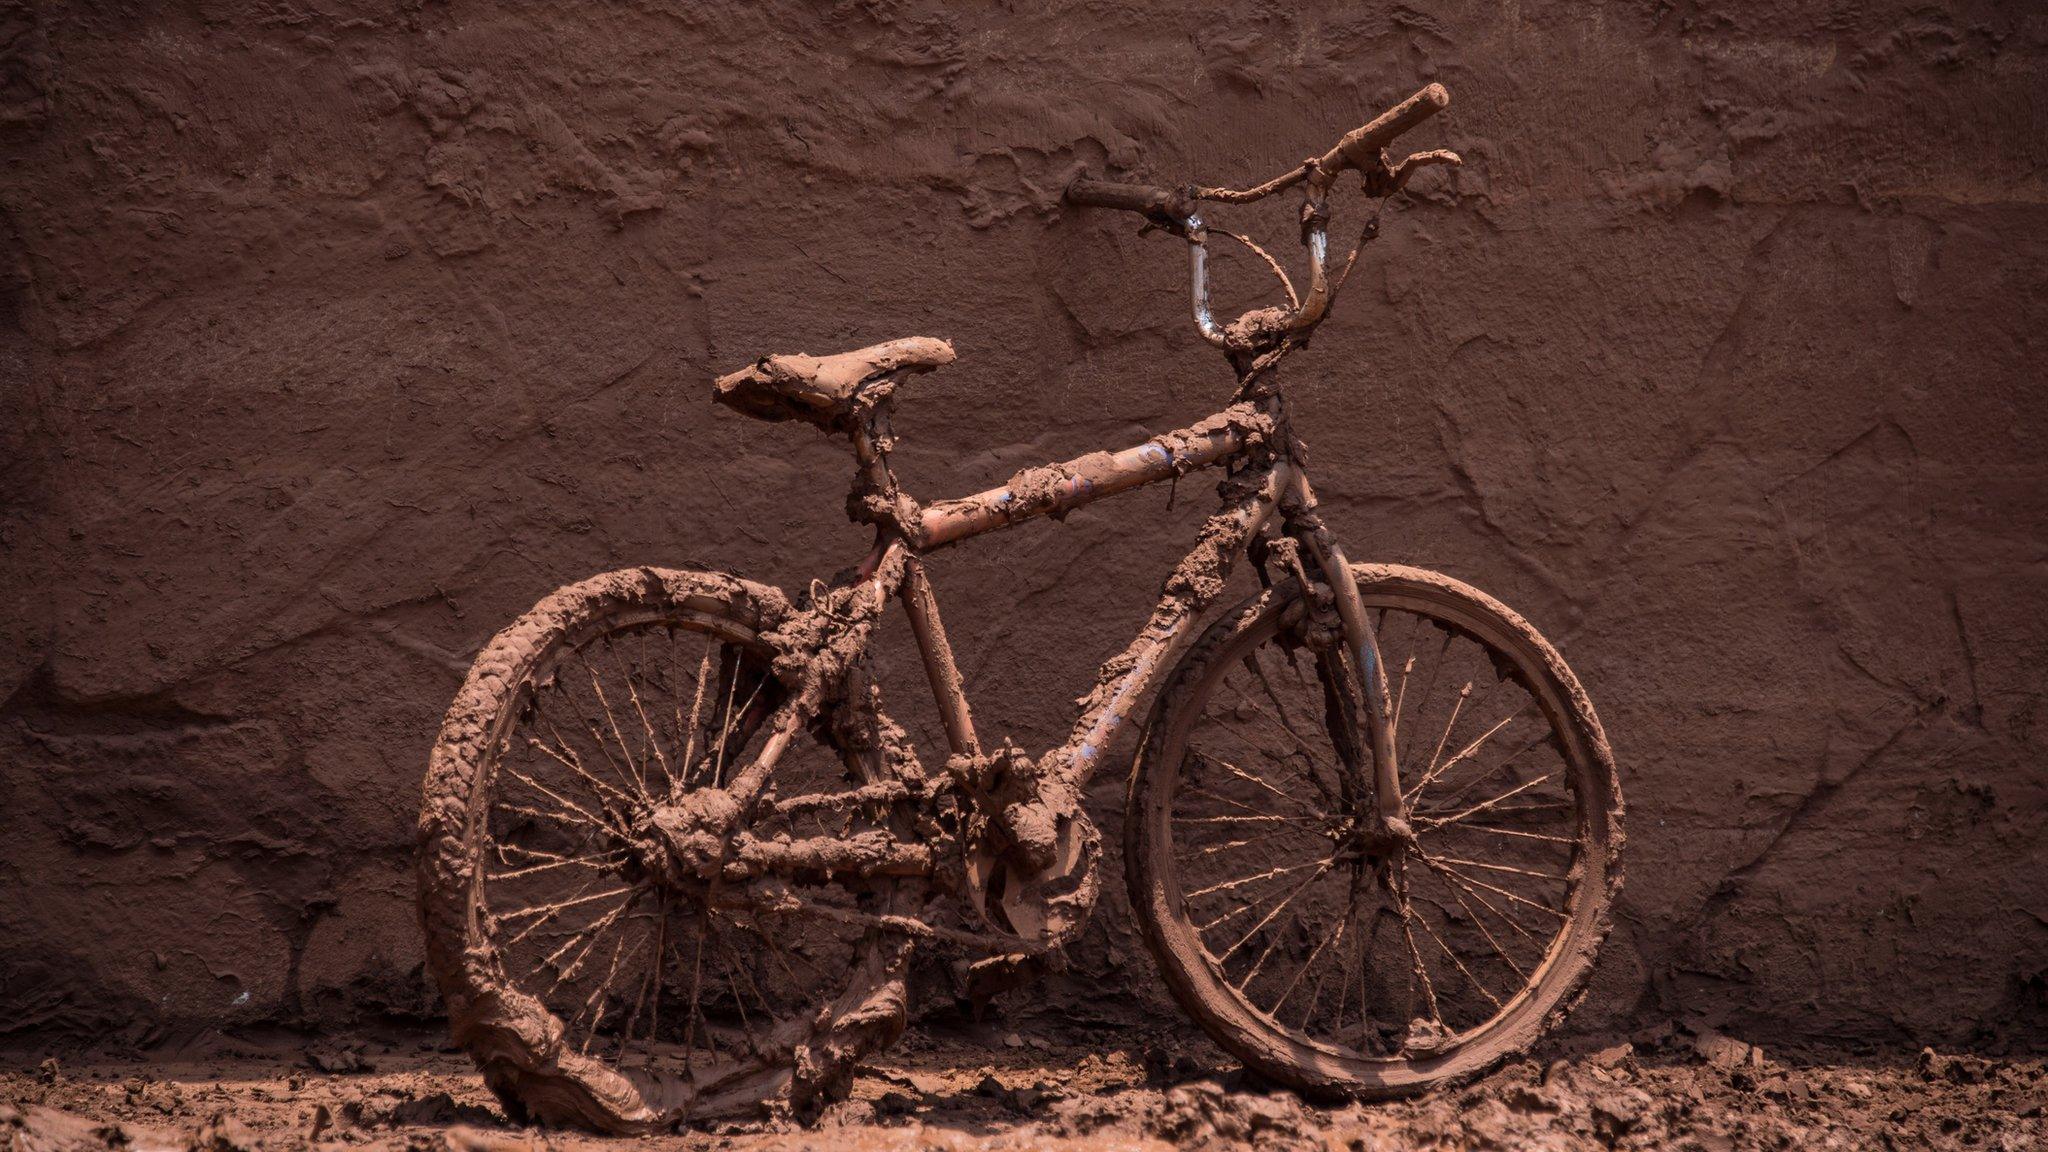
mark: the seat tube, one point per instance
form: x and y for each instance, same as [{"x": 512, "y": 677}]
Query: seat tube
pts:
[
  {"x": 930, "y": 632},
  {"x": 1363, "y": 640}
]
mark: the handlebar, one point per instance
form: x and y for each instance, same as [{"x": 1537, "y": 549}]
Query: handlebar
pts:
[
  {"x": 1164, "y": 208},
  {"x": 1358, "y": 150},
  {"x": 1360, "y": 147},
  {"x": 1177, "y": 210}
]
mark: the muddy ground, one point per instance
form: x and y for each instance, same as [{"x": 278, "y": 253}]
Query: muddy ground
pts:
[{"x": 1672, "y": 1085}]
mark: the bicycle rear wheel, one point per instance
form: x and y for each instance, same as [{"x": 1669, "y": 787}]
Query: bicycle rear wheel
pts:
[
  {"x": 1329, "y": 953},
  {"x": 595, "y": 981}
]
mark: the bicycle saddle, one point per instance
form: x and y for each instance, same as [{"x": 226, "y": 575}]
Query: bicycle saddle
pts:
[{"x": 821, "y": 389}]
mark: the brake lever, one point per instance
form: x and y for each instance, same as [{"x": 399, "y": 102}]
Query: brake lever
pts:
[{"x": 1384, "y": 181}]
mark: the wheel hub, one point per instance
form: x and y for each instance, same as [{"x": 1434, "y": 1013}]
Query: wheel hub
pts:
[
  {"x": 686, "y": 840},
  {"x": 1379, "y": 838}
]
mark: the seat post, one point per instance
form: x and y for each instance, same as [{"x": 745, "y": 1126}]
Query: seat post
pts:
[{"x": 876, "y": 498}]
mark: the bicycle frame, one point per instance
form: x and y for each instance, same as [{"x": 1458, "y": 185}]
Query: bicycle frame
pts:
[{"x": 1273, "y": 480}]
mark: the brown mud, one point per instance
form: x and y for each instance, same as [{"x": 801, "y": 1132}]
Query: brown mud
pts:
[
  {"x": 333, "y": 337},
  {"x": 1669, "y": 1086}
]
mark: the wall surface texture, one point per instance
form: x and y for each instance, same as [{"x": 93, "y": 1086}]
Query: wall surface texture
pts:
[{"x": 336, "y": 332}]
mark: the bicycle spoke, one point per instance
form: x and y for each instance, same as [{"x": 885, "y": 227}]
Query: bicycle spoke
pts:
[
  {"x": 1453, "y": 860},
  {"x": 1478, "y": 883},
  {"x": 1421, "y": 970},
  {"x": 638, "y": 778},
  {"x": 1205, "y": 794},
  {"x": 767, "y": 1005},
  {"x": 1422, "y": 922},
  {"x": 1433, "y": 820},
  {"x": 567, "y": 758},
  {"x": 595, "y": 1001},
  {"x": 1546, "y": 737},
  {"x": 1401, "y": 693},
  {"x": 1324, "y": 866},
  {"x": 1302, "y": 746},
  {"x": 561, "y": 818},
  {"x": 590, "y": 726},
  {"x": 649, "y": 742},
  {"x": 732, "y": 688},
  {"x": 1215, "y": 848},
  {"x": 597, "y": 861},
  {"x": 782, "y": 960},
  {"x": 739, "y": 1002},
  {"x": 1253, "y": 905},
  {"x": 1241, "y": 774},
  {"x": 504, "y": 852},
  {"x": 1280, "y": 759},
  {"x": 1304, "y": 767},
  {"x": 696, "y": 714},
  {"x": 1429, "y": 773},
  {"x": 1251, "y": 664},
  {"x": 1343, "y": 986},
  {"x": 590, "y": 818},
  {"x": 1515, "y": 832},
  {"x": 1479, "y": 923},
  {"x": 570, "y": 938},
  {"x": 1233, "y": 885},
  {"x": 696, "y": 998},
  {"x": 1436, "y": 667},
  {"x": 1437, "y": 771},
  {"x": 563, "y": 974},
  {"x": 1366, "y": 946},
  {"x": 652, "y": 979},
  {"x": 1328, "y": 941},
  {"x": 555, "y": 909}
]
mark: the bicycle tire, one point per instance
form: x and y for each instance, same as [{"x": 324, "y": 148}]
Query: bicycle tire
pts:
[{"x": 1294, "y": 1055}]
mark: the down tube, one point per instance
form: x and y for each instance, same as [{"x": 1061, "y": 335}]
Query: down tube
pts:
[{"x": 1193, "y": 586}]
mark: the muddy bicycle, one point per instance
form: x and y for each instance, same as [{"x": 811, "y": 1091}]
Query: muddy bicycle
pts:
[{"x": 675, "y": 858}]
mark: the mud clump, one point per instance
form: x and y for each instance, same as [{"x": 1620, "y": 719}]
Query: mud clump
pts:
[
  {"x": 337, "y": 1059},
  {"x": 36, "y": 1129},
  {"x": 1963, "y": 1069},
  {"x": 1207, "y": 1115}
]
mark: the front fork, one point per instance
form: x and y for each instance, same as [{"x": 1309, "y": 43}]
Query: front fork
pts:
[{"x": 1390, "y": 813}]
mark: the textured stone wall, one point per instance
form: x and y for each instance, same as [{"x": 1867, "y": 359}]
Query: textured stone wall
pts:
[{"x": 337, "y": 333}]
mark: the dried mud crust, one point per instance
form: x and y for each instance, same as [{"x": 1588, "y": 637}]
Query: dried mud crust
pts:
[
  {"x": 1664, "y": 1087},
  {"x": 1286, "y": 1055},
  {"x": 515, "y": 1040}
]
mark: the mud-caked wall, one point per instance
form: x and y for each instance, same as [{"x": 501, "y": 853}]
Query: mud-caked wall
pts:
[{"x": 336, "y": 333}]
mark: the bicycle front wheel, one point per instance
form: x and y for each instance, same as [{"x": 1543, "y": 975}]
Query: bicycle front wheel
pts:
[{"x": 1329, "y": 952}]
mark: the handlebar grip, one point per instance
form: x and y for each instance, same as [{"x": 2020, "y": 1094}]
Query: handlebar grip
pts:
[
  {"x": 1159, "y": 204},
  {"x": 1360, "y": 148}
]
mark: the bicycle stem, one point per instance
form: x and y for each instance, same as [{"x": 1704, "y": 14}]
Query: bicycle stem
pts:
[
  {"x": 1198, "y": 274},
  {"x": 1313, "y": 307}
]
